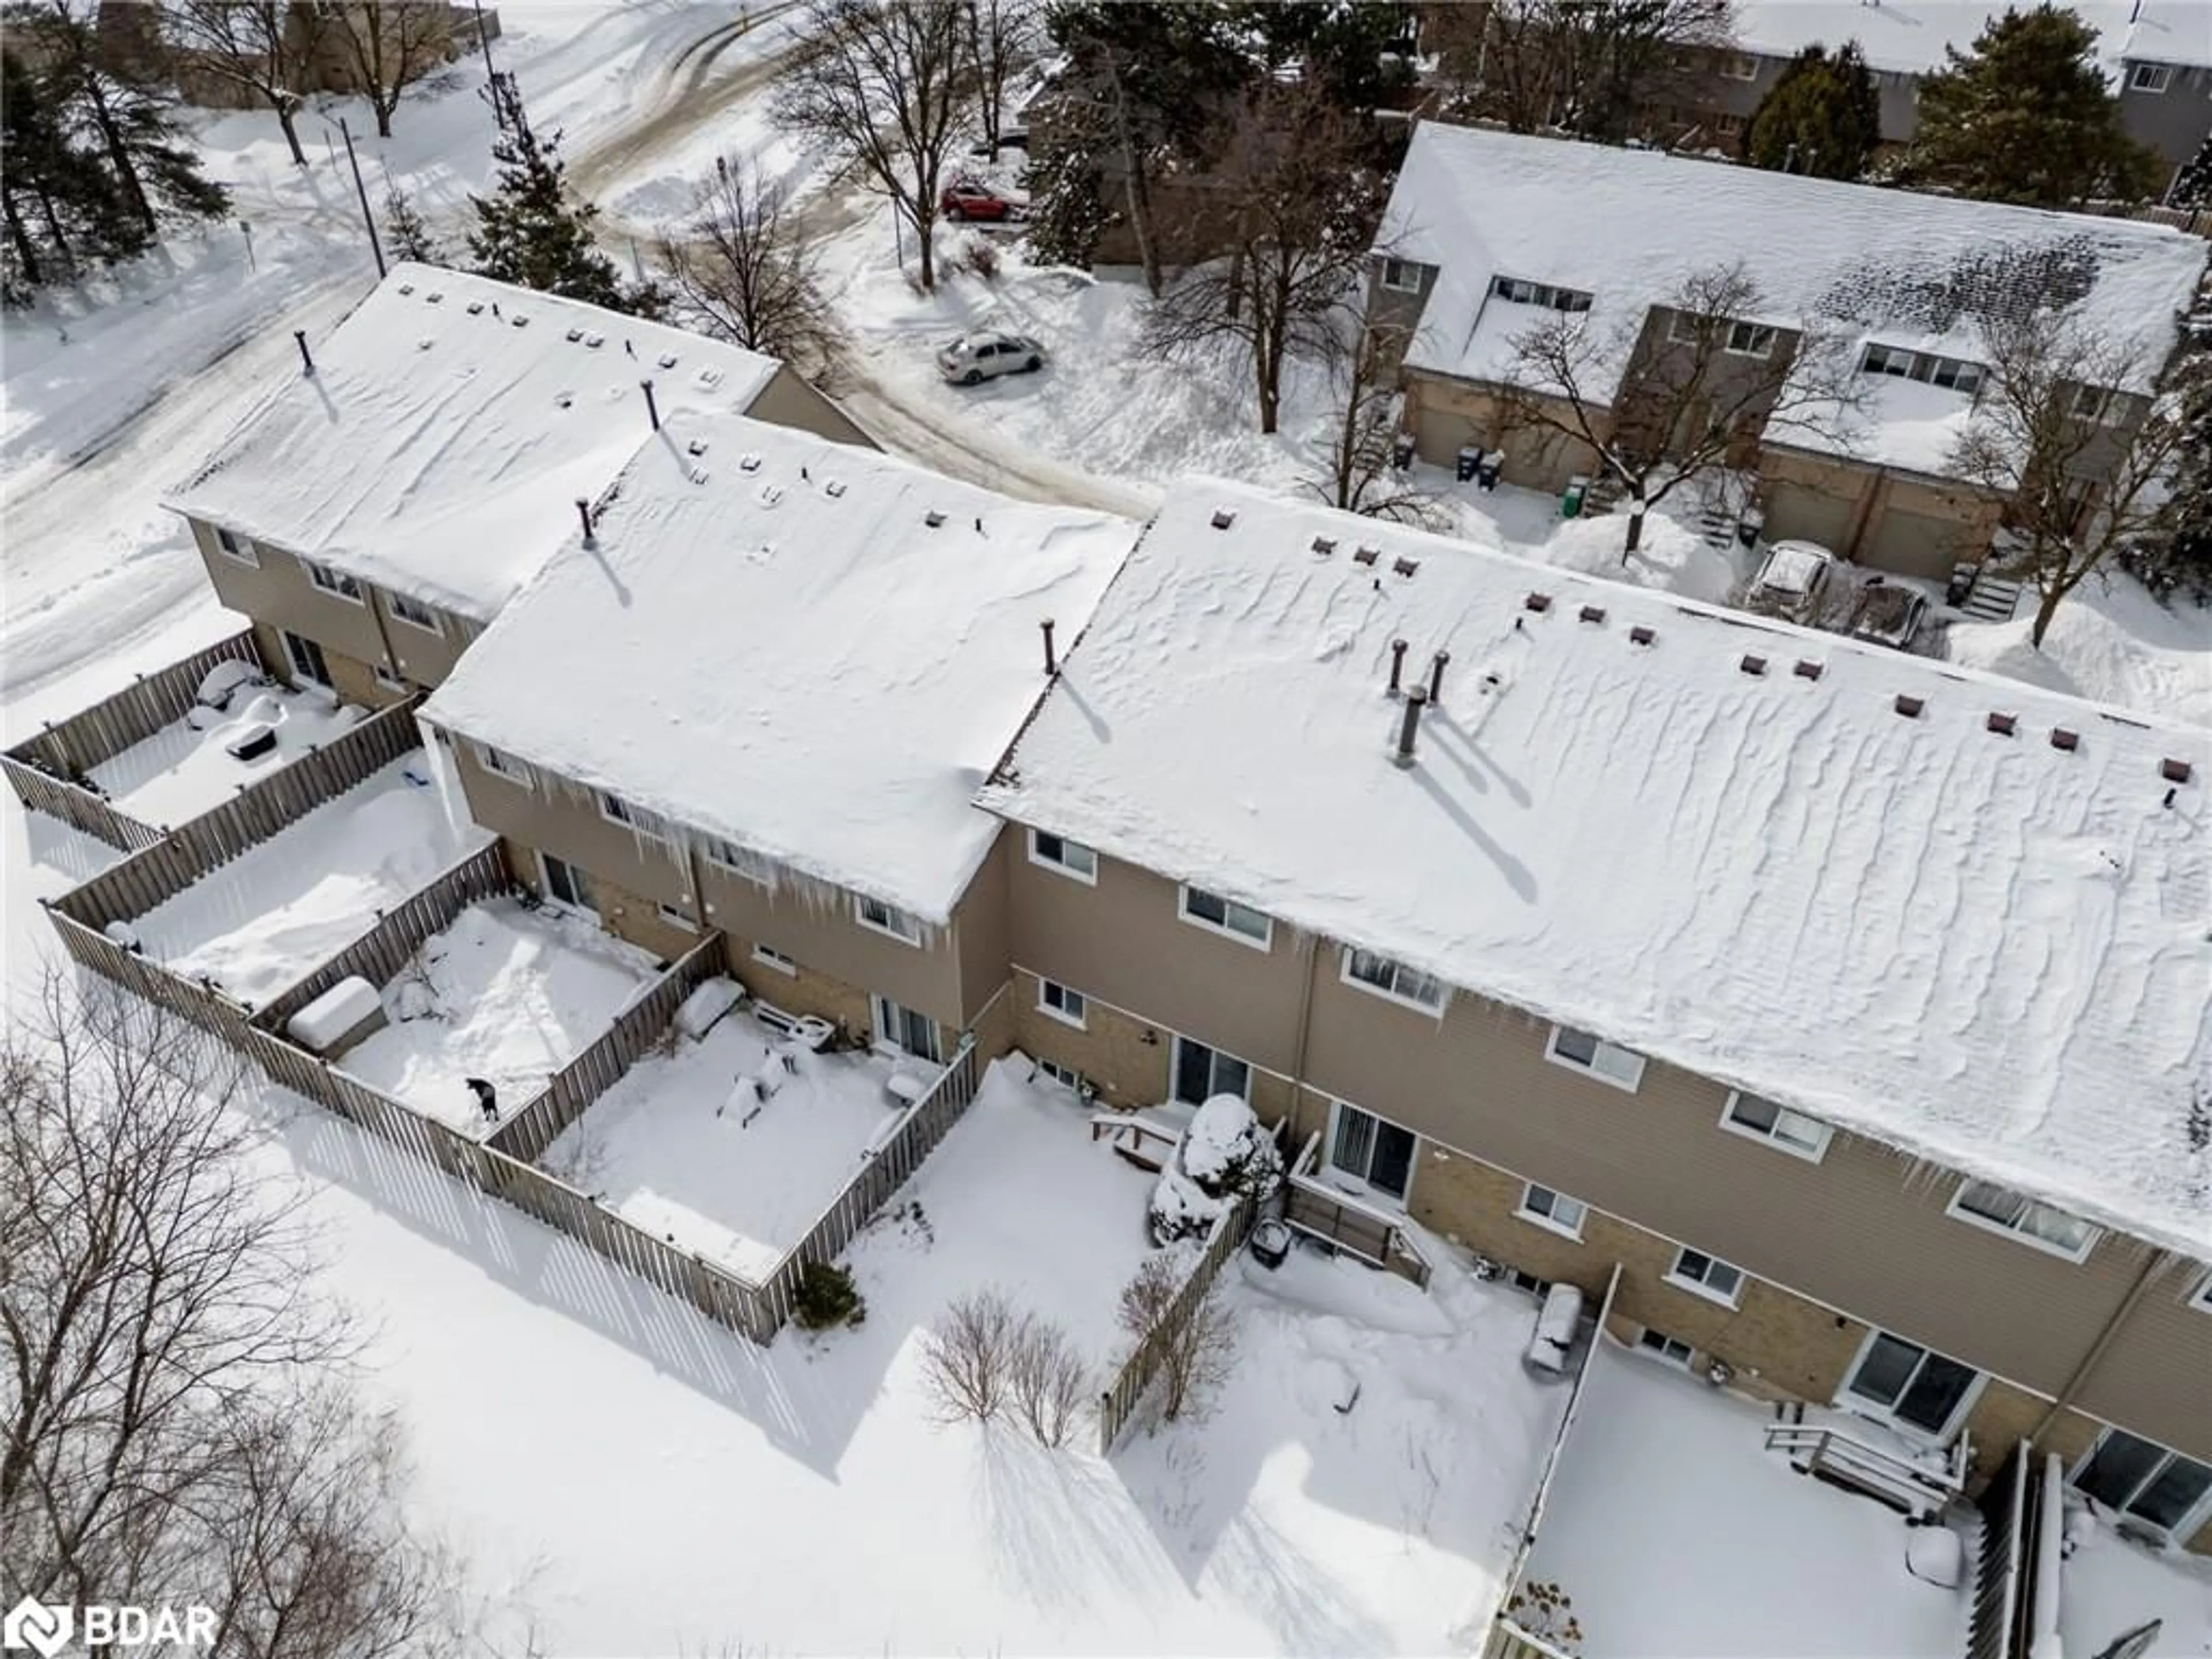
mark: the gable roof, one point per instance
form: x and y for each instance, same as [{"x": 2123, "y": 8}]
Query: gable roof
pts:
[
  {"x": 768, "y": 641},
  {"x": 1627, "y": 225},
  {"x": 449, "y": 426},
  {"x": 1979, "y": 948}
]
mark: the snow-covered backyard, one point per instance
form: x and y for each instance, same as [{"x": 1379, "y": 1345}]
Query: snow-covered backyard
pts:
[
  {"x": 1674, "y": 1530},
  {"x": 503, "y": 993},
  {"x": 688, "y": 1147},
  {"x": 2109, "y": 1586},
  {"x": 182, "y": 770},
  {"x": 261, "y": 921}
]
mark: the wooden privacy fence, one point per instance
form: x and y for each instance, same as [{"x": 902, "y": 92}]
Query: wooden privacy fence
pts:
[
  {"x": 151, "y": 877},
  {"x": 76, "y": 806},
  {"x": 540, "y": 1120},
  {"x": 380, "y": 954},
  {"x": 1998, "y": 1627}
]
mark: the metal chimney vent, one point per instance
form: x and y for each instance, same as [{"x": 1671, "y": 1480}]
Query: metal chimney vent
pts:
[
  {"x": 1537, "y": 602},
  {"x": 1405, "y": 566},
  {"x": 1640, "y": 636},
  {"x": 1910, "y": 706},
  {"x": 2002, "y": 725},
  {"x": 1752, "y": 665},
  {"x": 1807, "y": 670},
  {"x": 1365, "y": 555},
  {"x": 1223, "y": 518},
  {"x": 1324, "y": 545},
  {"x": 2062, "y": 738},
  {"x": 1593, "y": 613}
]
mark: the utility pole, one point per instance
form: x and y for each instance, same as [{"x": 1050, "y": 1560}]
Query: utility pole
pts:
[{"x": 362, "y": 190}]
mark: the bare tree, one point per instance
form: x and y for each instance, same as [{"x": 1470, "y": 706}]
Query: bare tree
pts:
[
  {"x": 1046, "y": 1378},
  {"x": 967, "y": 1357},
  {"x": 743, "y": 269},
  {"x": 2082, "y": 464},
  {"x": 882, "y": 81},
  {"x": 1359, "y": 461},
  {"x": 265, "y": 46},
  {"x": 1003, "y": 36},
  {"x": 1195, "y": 1336},
  {"x": 1297, "y": 204},
  {"x": 178, "y": 1426},
  {"x": 1700, "y": 384},
  {"x": 390, "y": 43},
  {"x": 1592, "y": 67}
]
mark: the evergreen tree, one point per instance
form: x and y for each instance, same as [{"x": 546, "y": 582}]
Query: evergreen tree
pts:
[
  {"x": 529, "y": 233},
  {"x": 405, "y": 235},
  {"x": 2192, "y": 185},
  {"x": 2177, "y": 557},
  {"x": 1822, "y": 116},
  {"x": 2026, "y": 116}
]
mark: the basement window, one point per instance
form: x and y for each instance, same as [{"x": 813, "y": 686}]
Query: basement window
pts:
[
  {"x": 1585, "y": 1051},
  {"x": 2000, "y": 1209},
  {"x": 768, "y": 956},
  {"x": 1673, "y": 1350}
]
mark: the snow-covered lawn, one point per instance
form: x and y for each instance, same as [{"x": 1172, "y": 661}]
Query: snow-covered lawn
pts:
[
  {"x": 263, "y": 920},
  {"x": 178, "y": 773},
  {"x": 683, "y": 1149},
  {"x": 503, "y": 993},
  {"x": 1674, "y": 1530},
  {"x": 2108, "y": 1586},
  {"x": 2110, "y": 641}
]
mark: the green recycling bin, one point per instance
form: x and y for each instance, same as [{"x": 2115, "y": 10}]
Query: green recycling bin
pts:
[{"x": 1571, "y": 504}]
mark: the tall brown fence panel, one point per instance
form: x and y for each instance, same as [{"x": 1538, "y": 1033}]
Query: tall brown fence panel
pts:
[{"x": 87, "y": 738}]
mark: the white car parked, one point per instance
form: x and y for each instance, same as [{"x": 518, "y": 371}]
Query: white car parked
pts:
[
  {"x": 1792, "y": 582},
  {"x": 973, "y": 358}
]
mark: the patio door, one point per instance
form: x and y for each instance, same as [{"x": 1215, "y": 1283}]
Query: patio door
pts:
[
  {"x": 2141, "y": 1479},
  {"x": 1200, "y": 1072},
  {"x": 307, "y": 658},
  {"x": 1911, "y": 1387},
  {"x": 1373, "y": 1152},
  {"x": 902, "y": 1028},
  {"x": 566, "y": 885}
]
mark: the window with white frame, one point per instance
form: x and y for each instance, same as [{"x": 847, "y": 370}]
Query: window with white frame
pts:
[
  {"x": 1777, "y": 1126},
  {"x": 726, "y": 856},
  {"x": 676, "y": 917},
  {"x": 2099, "y": 403},
  {"x": 1517, "y": 292},
  {"x": 1707, "y": 1276},
  {"x": 1555, "y": 1210},
  {"x": 390, "y": 681},
  {"x": 2150, "y": 77},
  {"x": 413, "y": 613},
  {"x": 1389, "y": 978},
  {"x": 1068, "y": 1007},
  {"x": 1587, "y": 1051},
  {"x": 500, "y": 764},
  {"x": 1985, "y": 1204},
  {"x": 1198, "y": 1072},
  {"x": 1674, "y": 1351},
  {"x": 1372, "y": 1151},
  {"x": 2143, "y": 1480},
  {"x": 334, "y": 582},
  {"x": 1225, "y": 915},
  {"x": 768, "y": 956},
  {"x": 1952, "y": 374},
  {"x": 1907, "y": 1385},
  {"x": 886, "y": 918},
  {"x": 1069, "y": 857},
  {"x": 233, "y": 545},
  {"x": 1401, "y": 275},
  {"x": 616, "y": 809},
  {"x": 1066, "y": 1076},
  {"x": 2201, "y": 1301},
  {"x": 1750, "y": 339},
  {"x": 1740, "y": 66},
  {"x": 906, "y": 1028}
]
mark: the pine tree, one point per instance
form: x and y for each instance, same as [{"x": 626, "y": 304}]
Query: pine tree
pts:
[
  {"x": 405, "y": 235},
  {"x": 2192, "y": 185},
  {"x": 529, "y": 233},
  {"x": 1822, "y": 116},
  {"x": 2026, "y": 116}
]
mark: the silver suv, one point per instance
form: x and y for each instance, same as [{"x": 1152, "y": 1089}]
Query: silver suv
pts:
[{"x": 973, "y": 358}]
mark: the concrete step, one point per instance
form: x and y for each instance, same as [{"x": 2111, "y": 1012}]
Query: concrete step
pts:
[{"x": 1995, "y": 600}]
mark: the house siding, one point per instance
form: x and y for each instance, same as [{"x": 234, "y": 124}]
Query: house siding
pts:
[
  {"x": 1886, "y": 519},
  {"x": 1445, "y": 415},
  {"x": 979, "y": 933},
  {"x": 425, "y": 657},
  {"x": 2173, "y": 122},
  {"x": 788, "y": 400},
  {"x": 278, "y": 592}
]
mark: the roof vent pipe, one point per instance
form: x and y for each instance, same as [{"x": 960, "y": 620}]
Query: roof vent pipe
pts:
[
  {"x": 584, "y": 514},
  {"x": 306, "y": 362},
  {"x": 1051, "y": 661},
  {"x": 1408, "y": 725},
  {"x": 651, "y": 408},
  {"x": 1437, "y": 677},
  {"x": 1397, "y": 664}
]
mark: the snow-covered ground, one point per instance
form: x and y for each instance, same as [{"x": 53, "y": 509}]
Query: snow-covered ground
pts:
[
  {"x": 257, "y": 924},
  {"x": 688, "y": 1147},
  {"x": 2109, "y": 1586},
  {"x": 180, "y": 772},
  {"x": 502, "y": 994},
  {"x": 1674, "y": 1531}
]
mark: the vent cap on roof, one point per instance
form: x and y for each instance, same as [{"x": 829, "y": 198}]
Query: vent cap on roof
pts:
[
  {"x": 1753, "y": 663},
  {"x": 1537, "y": 602},
  {"x": 1223, "y": 518},
  {"x": 667, "y": 360},
  {"x": 1641, "y": 635},
  {"x": 933, "y": 518},
  {"x": 2061, "y": 737},
  {"x": 1806, "y": 669},
  {"x": 2175, "y": 771},
  {"x": 1405, "y": 566},
  {"x": 1909, "y": 706},
  {"x": 1324, "y": 545},
  {"x": 2002, "y": 725},
  {"x": 1592, "y": 613},
  {"x": 1365, "y": 555}
]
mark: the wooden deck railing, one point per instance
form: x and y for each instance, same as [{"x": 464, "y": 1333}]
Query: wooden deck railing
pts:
[{"x": 1851, "y": 1462}]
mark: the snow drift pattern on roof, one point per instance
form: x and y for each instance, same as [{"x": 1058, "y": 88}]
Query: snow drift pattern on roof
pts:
[
  {"x": 1635, "y": 814},
  {"x": 1627, "y": 226},
  {"x": 449, "y": 426},
  {"x": 815, "y": 652}
]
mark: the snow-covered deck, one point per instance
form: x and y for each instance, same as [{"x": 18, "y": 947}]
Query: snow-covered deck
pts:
[
  {"x": 1674, "y": 1530},
  {"x": 262, "y": 920},
  {"x": 687, "y": 1150},
  {"x": 178, "y": 773},
  {"x": 2109, "y": 1586},
  {"x": 503, "y": 993}
]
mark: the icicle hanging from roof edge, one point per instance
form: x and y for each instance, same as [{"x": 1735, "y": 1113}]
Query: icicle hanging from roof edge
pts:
[{"x": 445, "y": 775}]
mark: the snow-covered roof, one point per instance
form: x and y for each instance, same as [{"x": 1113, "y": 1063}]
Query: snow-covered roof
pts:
[
  {"x": 449, "y": 428},
  {"x": 1910, "y": 425},
  {"x": 770, "y": 641},
  {"x": 1905, "y": 36},
  {"x": 1981, "y": 948},
  {"x": 2169, "y": 31},
  {"x": 1627, "y": 226}
]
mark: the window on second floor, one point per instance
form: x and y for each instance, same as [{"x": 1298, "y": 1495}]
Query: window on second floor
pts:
[
  {"x": 413, "y": 612},
  {"x": 1762, "y": 1120},
  {"x": 1587, "y": 1051},
  {"x": 499, "y": 764},
  {"x": 727, "y": 855},
  {"x": 238, "y": 547},
  {"x": 1393, "y": 979},
  {"x": 2098, "y": 404},
  {"x": 1740, "y": 339},
  {"x": 1226, "y": 915},
  {"x": 1740, "y": 66},
  {"x": 1539, "y": 294},
  {"x": 1070, "y": 858},
  {"x": 2201, "y": 1301},
  {"x": 616, "y": 809},
  {"x": 332, "y": 582},
  {"x": 1401, "y": 275},
  {"x": 886, "y": 918},
  {"x": 2150, "y": 77},
  {"x": 1985, "y": 1204},
  {"x": 1750, "y": 339},
  {"x": 1952, "y": 374}
]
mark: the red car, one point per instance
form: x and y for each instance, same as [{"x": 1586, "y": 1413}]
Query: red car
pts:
[{"x": 967, "y": 199}]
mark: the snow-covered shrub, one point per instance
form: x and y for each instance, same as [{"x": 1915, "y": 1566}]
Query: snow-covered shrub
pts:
[
  {"x": 826, "y": 1295},
  {"x": 1047, "y": 1379},
  {"x": 967, "y": 1357},
  {"x": 1180, "y": 1209},
  {"x": 1195, "y": 1337},
  {"x": 1225, "y": 1154}
]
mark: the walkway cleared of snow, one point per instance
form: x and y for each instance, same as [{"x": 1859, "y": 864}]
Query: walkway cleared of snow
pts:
[
  {"x": 181, "y": 772},
  {"x": 1674, "y": 1531},
  {"x": 503, "y": 993},
  {"x": 262, "y": 920}
]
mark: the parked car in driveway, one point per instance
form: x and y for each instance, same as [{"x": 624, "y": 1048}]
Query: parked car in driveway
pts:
[
  {"x": 964, "y": 199},
  {"x": 1887, "y": 613},
  {"x": 973, "y": 358},
  {"x": 1791, "y": 581}
]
